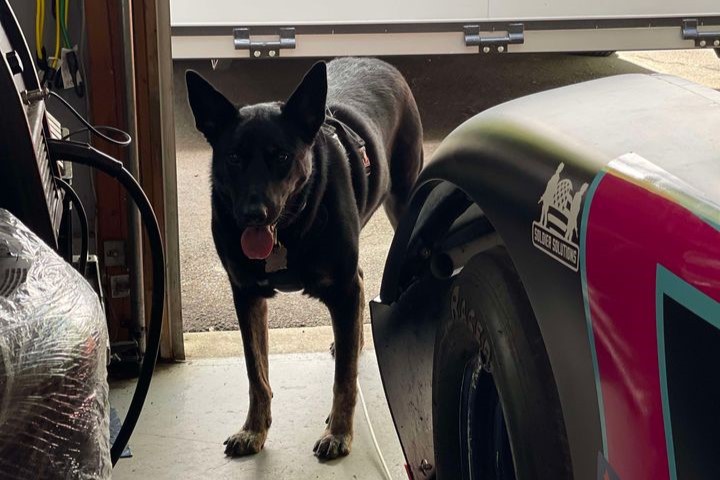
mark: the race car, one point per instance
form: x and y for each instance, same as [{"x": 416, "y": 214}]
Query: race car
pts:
[{"x": 550, "y": 305}]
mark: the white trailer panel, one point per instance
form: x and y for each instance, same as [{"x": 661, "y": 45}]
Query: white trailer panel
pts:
[{"x": 235, "y": 29}]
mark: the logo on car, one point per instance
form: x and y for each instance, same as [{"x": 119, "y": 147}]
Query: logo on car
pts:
[{"x": 556, "y": 233}]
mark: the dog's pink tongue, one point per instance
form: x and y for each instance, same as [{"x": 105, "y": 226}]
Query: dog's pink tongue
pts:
[{"x": 257, "y": 242}]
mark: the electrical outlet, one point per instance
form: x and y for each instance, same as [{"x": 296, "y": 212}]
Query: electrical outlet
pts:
[
  {"x": 119, "y": 286},
  {"x": 114, "y": 253}
]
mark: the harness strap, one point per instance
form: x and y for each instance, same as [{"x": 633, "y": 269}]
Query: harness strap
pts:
[{"x": 349, "y": 137}]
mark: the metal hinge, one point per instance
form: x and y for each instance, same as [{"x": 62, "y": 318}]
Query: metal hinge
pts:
[
  {"x": 493, "y": 43},
  {"x": 690, "y": 31},
  {"x": 262, "y": 48}
]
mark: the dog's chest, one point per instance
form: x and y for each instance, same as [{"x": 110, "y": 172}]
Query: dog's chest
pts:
[
  {"x": 277, "y": 260},
  {"x": 284, "y": 273},
  {"x": 280, "y": 273}
]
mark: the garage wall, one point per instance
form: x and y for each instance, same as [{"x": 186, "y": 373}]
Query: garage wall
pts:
[{"x": 25, "y": 13}]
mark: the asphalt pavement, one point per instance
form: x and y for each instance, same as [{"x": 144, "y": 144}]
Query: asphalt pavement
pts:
[{"x": 448, "y": 90}]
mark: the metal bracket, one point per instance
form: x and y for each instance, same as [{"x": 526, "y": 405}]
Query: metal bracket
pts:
[
  {"x": 258, "y": 48},
  {"x": 702, "y": 39},
  {"x": 515, "y": 35}
]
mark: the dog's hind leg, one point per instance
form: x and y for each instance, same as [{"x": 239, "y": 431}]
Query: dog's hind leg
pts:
[
  {"x": 346, "y": 309},
  {"x": 252, "y": 316},
  {"x": 406, "y": 161}
]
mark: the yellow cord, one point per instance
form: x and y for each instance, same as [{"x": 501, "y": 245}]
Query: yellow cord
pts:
[
  {"x": 67, "y": 8},
  {"x": 42, "y": 25},
  {"x": 57, "y": 33},
  {"x": 39, "y": 26}
]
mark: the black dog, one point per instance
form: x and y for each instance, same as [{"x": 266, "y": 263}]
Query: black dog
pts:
[{"x": 292, "y": 185}]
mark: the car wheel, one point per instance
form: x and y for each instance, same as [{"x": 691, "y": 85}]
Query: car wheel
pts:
[{"x": 496, "y": 412}]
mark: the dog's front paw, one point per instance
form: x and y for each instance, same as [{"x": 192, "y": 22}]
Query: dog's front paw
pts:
[
  {"x": 332, "y": 446},
  {"x": 244, "y": 442}
]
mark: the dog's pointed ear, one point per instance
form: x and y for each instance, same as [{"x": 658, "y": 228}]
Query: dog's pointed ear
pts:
[
  {"x": 212, "y": 111},
  {"x": 306, "y": 106}
]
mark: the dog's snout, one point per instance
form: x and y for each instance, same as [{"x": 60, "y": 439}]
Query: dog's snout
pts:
[{"x": 255, "y": 213}]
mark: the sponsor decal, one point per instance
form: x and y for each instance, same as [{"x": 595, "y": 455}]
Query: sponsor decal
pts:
[{"x": 556, "y": 232}]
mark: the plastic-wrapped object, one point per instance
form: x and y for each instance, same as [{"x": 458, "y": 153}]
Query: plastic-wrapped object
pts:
[{"x": 54, "y": 412}]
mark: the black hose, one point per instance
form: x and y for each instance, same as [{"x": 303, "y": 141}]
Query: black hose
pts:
[
  {"x": 84, "y": 227},
  {"x": 86, "y": 155}
]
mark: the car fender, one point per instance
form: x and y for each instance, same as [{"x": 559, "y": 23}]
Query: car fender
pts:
[{"x": 503, "y": 162}]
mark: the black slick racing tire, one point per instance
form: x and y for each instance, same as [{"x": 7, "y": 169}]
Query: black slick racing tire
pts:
[{"x": 496, "y": 411}]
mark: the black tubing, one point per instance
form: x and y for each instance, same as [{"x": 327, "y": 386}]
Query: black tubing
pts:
[
  {"x": 84, "y": 227},
  {"x": 86, "y": 155}
]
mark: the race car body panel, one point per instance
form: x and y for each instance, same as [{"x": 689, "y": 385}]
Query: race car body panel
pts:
[
  {"x": 653, "y": 313},
  {"x": 568, "y": 180}
]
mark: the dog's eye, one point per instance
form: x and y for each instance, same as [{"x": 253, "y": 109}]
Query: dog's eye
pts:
[
  {"x": 233, "y": 159},
  {"x": 283, "y": 157}
]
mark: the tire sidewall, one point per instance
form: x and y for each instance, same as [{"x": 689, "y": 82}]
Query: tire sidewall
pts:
[{"x": 489, "y": 314}]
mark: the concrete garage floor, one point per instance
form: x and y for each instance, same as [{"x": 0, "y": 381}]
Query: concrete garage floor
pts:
[
  {"x": 194, "y": 406},
  {"x": 448, "y": 89}
]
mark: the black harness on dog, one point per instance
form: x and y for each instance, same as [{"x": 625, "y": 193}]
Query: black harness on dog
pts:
[
  {"x": 277, "y": 275},
  {"x": 347, "y": 137}
]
